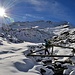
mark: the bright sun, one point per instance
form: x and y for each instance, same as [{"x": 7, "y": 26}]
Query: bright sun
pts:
[{"x": 2, "y": 12}]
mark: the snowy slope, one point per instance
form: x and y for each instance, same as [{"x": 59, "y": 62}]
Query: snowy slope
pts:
[
  {"x": 13, "y": 59},
  {"x": 35, "y": 31}
]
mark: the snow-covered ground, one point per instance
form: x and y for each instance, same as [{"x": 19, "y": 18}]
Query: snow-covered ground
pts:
[
  {"x": 13, "y": 59},
  {"x": 13, "y": 55},
  {"x": 14, "y": 62}
]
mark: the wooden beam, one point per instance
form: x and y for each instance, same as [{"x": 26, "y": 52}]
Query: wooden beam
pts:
[
  {"x": 51, "y": 55},
  {"x": 62, "y": 46},
  {"x": 52, "y": 45},
  {"x": 52, "y": 48},
  {"x": 38, "y": 50}
]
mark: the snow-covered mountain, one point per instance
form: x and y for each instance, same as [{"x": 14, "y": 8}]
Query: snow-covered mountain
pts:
[
  {"x": 35, "y": 31},
  {"x": 37, "y": 24},
  {"x": 30, "y": 36}
]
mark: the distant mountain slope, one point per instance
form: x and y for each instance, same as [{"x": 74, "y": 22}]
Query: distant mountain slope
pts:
[
  {"x": 35, "y": 31},
  {"x": 37, "y": 24}
]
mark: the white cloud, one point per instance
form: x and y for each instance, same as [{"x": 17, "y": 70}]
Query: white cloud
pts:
[
  {"x": 32, "y": 16},
  {"x": 51, "y": 6},
  {"x": 55, "y": 8},
  {"x": 35, "y": 2},
  {"x": 38, "y": 5}
]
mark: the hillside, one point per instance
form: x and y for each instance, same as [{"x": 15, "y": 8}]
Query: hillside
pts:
[
  {"x": 35, "y": 31},
  {"x": 21, "y": 38}
]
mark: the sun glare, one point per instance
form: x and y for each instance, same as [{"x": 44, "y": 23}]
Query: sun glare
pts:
[{"x": 2, "y": 12}]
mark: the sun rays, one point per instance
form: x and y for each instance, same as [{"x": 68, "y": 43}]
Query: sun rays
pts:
[{"x": 6, "y": 12}]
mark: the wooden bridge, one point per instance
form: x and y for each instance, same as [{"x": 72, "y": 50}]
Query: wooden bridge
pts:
[{"x": 52, "y": 55}]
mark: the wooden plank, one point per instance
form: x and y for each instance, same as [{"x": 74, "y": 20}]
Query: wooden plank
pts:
[
  {"x": 38, "y": 50},
  {"x": 52, "y": 48},
  {"x": 62, "y": 46},
  {"x": 51, "y": 55},
  {"x": 35, "y": 51},
  {"x": 52, "y": 45}
]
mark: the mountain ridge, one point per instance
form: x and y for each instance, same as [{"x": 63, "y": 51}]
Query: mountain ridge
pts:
[{"x": 35, "y": 31}]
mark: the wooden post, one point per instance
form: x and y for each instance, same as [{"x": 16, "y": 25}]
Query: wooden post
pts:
[{"x": 52, "y": 51}]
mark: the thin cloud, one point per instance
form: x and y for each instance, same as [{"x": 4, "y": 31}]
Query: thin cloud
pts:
[
  {"x": 52, "y": 8},
  {"x": 32, "y": 16},
  {"x": 35, "y": 2},
  {"x": 38, "y": 5},
  {"x": 58, "y": 10}
]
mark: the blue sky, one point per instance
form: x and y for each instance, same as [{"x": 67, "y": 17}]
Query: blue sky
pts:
[{"x": 31, "y": 10}]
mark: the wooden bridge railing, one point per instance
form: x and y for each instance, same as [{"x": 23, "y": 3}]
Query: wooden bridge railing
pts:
[{"x": 53, "y": 45}]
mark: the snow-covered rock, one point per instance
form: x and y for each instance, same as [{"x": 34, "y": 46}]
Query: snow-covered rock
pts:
[
  {"x": 72, "y": 72},
  {"x": 44, "y": 70},
  {"x": 67, "y": 71}
]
